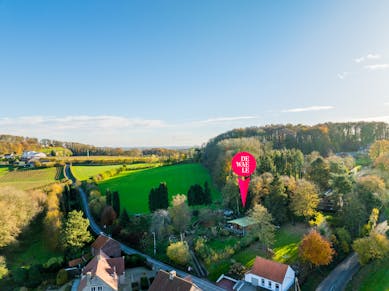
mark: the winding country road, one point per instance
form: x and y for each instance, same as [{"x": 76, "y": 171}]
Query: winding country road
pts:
[
  {"x": 201, "y": 283},
  {"x": 343, "y": 273}
]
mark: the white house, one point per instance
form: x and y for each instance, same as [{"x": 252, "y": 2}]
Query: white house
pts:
[
  {"x": 270, "y": 275},
  {"x": 9, "y": 156},
  {"x": 28, "y": 155}
]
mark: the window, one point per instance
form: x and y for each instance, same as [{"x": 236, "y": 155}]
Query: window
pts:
[
  {"x": 269, "y": 284},
  {"x": 93, "y": 288},
  {"x": 100, "y": 288},
  {"x": 263, "y": 281},
  {"x": 277, "y": 287}
]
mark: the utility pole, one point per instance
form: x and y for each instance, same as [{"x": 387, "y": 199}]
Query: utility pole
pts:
[{"x": 155, "y": 245}]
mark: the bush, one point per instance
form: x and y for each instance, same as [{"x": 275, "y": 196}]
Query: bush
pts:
[
  {"x": 133, "y": 261},
  {"x": 53, "y": 264},
  {"x": 62, "y": 277},
  {"x": 20, "y": 276},
  {"x": 178, "y": 252},
  {"x": 3, "y": 268},
  {"x": 144, "y": 283},
  {"x": 237, "y": 271},
  {"x": 34, "y": 276}
]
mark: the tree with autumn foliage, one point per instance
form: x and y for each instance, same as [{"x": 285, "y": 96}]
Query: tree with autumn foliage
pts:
[
  {"x": 315, "y": 249},
  {"x": 375, "y": 246},
  {"x": 305, "y": 199}
]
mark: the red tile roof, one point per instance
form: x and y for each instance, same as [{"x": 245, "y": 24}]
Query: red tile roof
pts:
[
  {"x": 269, "y": 269},
  {"x": 105, "y": 268},
  {"x": 100, "y": 241}
]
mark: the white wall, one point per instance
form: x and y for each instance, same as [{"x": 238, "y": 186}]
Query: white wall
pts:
[
  {"x": 288, "y": 279},
  {"x": 249, "y": 279}
]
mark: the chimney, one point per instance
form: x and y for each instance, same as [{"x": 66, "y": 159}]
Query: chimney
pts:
[
  {"x": 172, "y": 274},
  {"x": 88, "y": 277}
]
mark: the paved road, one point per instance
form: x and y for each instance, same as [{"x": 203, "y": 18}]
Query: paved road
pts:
[
  {"x": 342, "y": 274},
  {"x": 339, "y": 277},
  {"x": 203, "y": 284}
]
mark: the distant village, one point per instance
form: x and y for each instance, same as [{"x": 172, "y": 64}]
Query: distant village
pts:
[{"x": 27, "y": 159}]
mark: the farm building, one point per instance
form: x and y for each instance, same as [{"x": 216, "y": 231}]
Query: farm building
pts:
[
  {"x": 29, "y": 155},
  {"x": 240, "y": 225}
]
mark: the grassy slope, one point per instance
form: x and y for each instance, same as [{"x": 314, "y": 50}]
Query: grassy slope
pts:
[
  {"x": 374, "y": 276},
  {"x": 134, "y": 187},
  {"x": 28, "y": 179},
  {"x": 30, "y": 249},
  {"x": 3, "y": 171},
  {"x": 85, "y": 172}
]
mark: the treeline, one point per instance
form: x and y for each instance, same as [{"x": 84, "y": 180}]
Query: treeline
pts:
[
  {"x": 17, "y": 144},
  {"x": 324, "y": 138}
]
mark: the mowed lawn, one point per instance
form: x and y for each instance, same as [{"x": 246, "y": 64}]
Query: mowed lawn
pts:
[
  {"x": 85, "y": 172},
  {"x": 3, "y": 171},
  {"x": 28, "y": 179},
  {"x": 134, "y": 187},
  {"x": 287, "y": 243}
]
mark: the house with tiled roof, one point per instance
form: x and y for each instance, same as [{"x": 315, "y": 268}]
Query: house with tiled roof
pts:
[
  {"x": 169, "y": 281},
  {"x": 102, "y": 273},
  {"x": 108, "y": 245},
  {"x": 270, "y": 275}
]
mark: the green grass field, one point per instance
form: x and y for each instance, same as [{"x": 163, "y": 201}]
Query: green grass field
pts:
[
  {"x": 3, "y": 171},
  {"x": 28, "y": 179},
  {"x": 134, "y": 186},
  {"x": 374, "y": 276},
  {"x": 85, "y": 172},
  {"x": 287, "y": 242}
]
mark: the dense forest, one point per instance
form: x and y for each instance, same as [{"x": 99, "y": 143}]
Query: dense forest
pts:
[
  {"x": 281, "y": 148},
  {"x": 324, "y": 138}
]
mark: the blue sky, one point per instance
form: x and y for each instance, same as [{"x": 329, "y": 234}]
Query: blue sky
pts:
[{"x": 163, "y": 73}]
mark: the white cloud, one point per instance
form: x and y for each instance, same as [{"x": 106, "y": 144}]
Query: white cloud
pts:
[
  {"x": 343, "y": 75},
  {"x": 310, "y": 108},
  {"x": 224, "y": 119},
  {"x": 367, "y": 57},
  {"x": 377, "y": 67},
  {"x": 382, "y": 118},
  {"x": 82, "y": 122}
]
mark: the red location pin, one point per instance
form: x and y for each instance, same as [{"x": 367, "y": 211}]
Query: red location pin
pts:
[{"x": 243, "y": 164}]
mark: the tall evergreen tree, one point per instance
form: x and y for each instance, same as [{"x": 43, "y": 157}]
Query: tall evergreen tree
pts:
[
  {"x": 195, "y": 195},
  {"x": 163, "y": 194},
  {"x": 207, "y": 194},
  {"x": 108, "y": 193},
  {"x": 159, "y": 197},
  {"x": 75, "y": 233},
  {"x": 276, "y": 201},
  {"x": 124, "y": 219},
  {"x": 116, "y": 202},
  {"x": 152, "y": 200}
]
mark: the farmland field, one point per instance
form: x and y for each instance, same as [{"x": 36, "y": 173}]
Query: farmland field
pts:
[
  {"x": 85, "y": 172},
  {"x": 28, "y": 179},
  {"x": 134, "y": 186}
]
